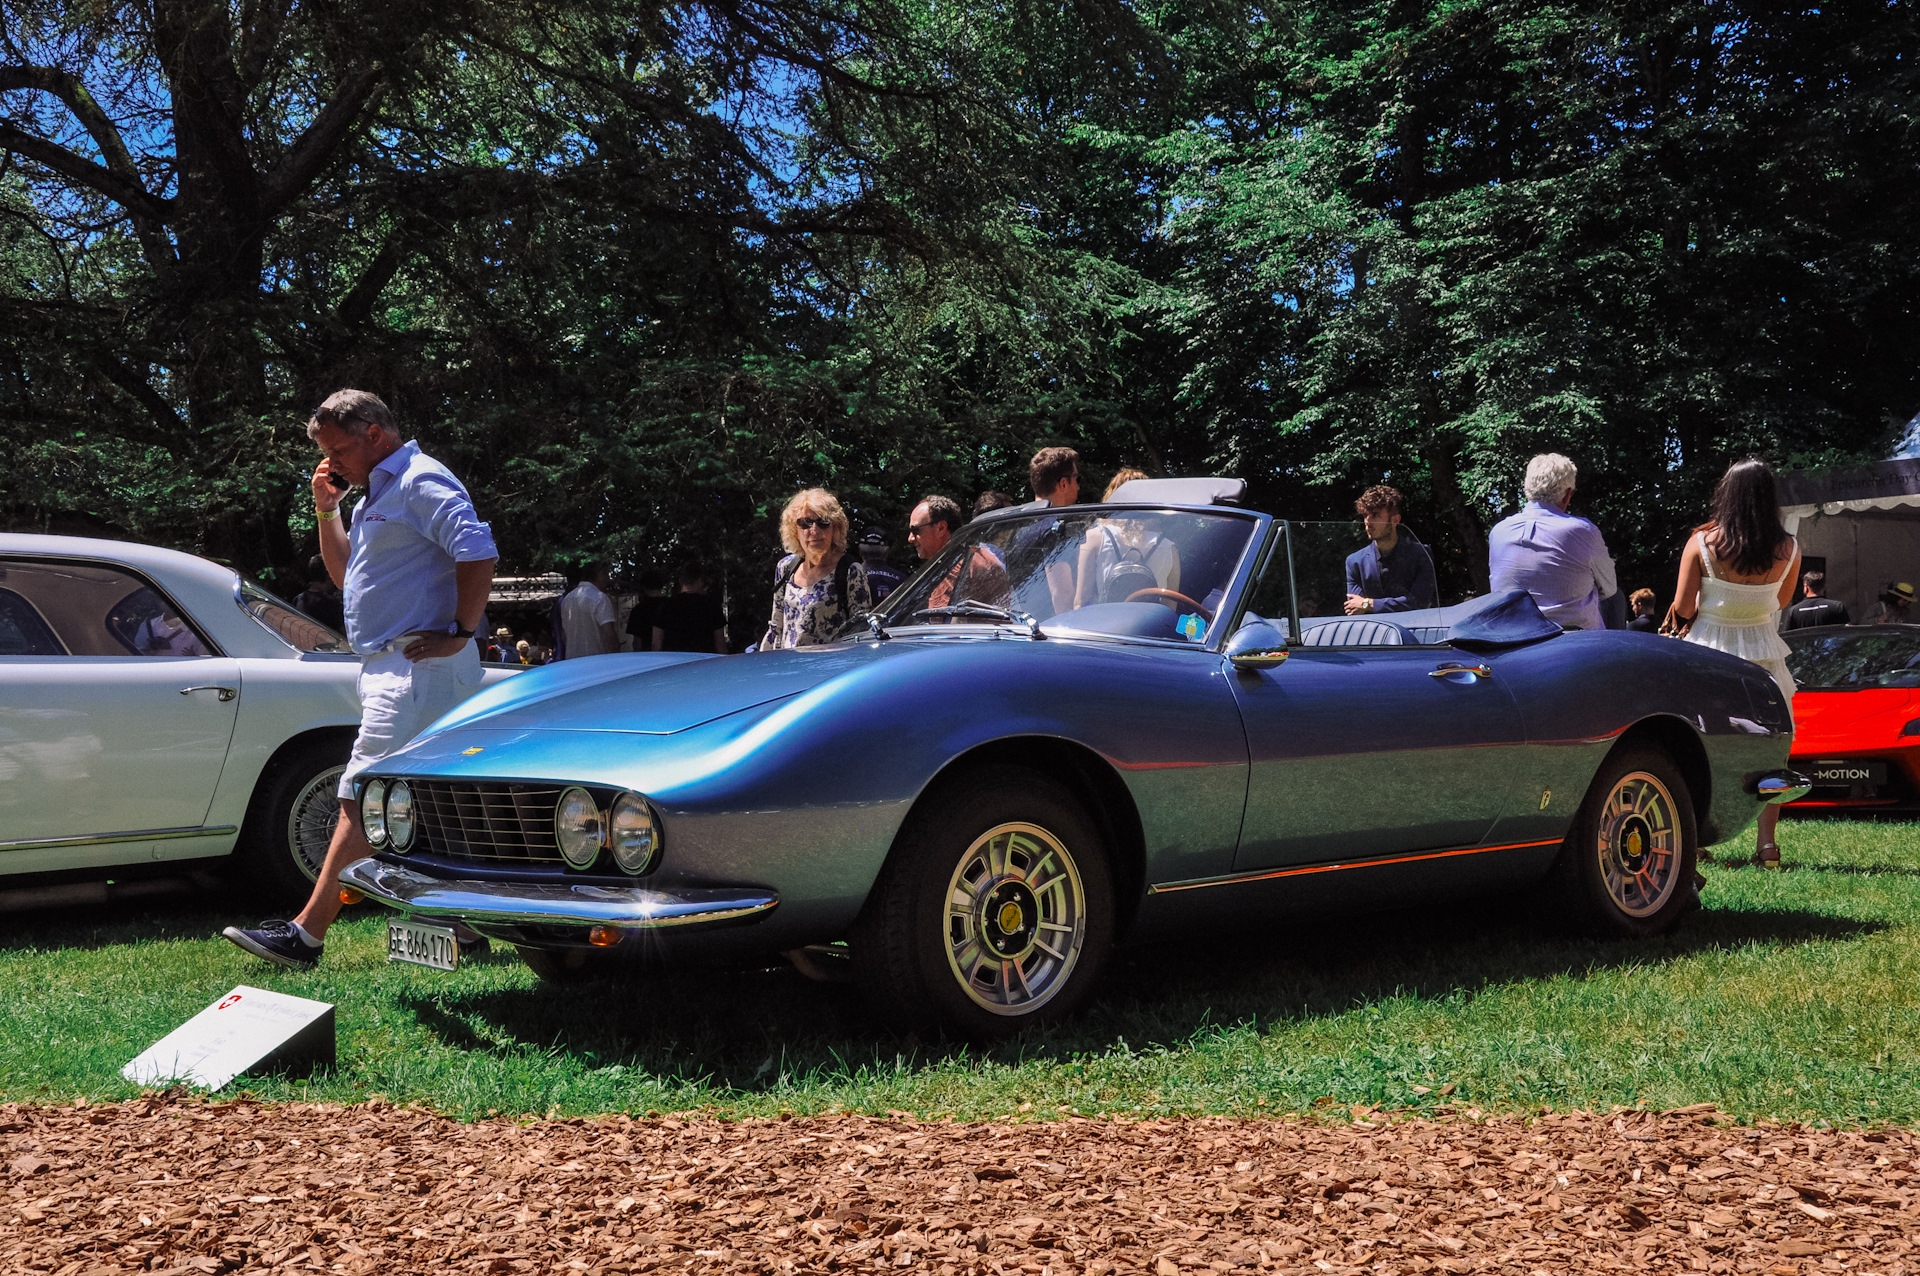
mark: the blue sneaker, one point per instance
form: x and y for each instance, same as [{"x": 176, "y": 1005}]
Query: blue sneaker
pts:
[{"x": 279, "y": 943}]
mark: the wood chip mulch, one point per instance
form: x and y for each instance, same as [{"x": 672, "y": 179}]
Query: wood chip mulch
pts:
[{"x": 184, "y": 1187}]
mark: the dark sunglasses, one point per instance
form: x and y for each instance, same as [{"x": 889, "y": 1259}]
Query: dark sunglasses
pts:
[
  {"x": 915, "y": 529},
  {"x": 336, "y": 420},
  {"x": 805, "y": 524}
]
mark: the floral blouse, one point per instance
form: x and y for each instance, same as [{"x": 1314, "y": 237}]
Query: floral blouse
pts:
[{"x": 810, "y": 616}]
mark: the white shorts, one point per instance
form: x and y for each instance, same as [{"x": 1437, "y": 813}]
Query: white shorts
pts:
[{"x": 400, "y": 698}]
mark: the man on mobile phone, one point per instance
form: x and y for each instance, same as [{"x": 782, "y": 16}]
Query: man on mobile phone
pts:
[{"x": 415, "y": 570}]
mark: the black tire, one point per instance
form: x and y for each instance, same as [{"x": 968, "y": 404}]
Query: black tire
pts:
[
  {"x": 567, "y": 965},
  {"x": 1627, "y": 869},
  {"x": 913, "y": 938},
  {"x": 291, "y": 818}
]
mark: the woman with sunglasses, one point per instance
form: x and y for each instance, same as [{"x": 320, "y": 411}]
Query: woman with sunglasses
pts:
[{"x": 819, "y": 585}]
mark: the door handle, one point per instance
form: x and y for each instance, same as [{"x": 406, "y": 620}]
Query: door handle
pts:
[
  {"x": 226, "y": 693},
  {"x": 1447, "y": 671}
]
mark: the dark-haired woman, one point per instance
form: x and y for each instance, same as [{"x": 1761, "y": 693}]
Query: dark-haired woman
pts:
[{"x": 1736, "y": 573}]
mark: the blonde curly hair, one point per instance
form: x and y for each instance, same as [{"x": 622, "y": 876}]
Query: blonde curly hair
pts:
[
  {"x": 820, "y": 503},
  {"x": 1119, "y": 479}
]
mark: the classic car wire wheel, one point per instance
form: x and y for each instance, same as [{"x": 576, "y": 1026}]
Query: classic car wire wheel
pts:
[
  {"x": 1639, "y": 844},
  {"x": 1016, "y": 918},
  {"x": 310, "y": 822}
]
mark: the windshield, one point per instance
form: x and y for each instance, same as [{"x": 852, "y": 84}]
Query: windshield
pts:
[
  {"x": 1139, "y": 573},
  {"x": 1854, "y": 659},
  {"x": 297, "y": 629}
]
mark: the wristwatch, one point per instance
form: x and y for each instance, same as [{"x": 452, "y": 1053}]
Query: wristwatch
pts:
[{"x": 461, "y": 633}]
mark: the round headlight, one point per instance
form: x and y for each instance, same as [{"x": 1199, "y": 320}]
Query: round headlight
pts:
[
  {"x": 631, "y": 832},
  {"x": 373, "y": 811},
  {"x": 400, "y": 815},
  {"x": 576, "y": 824}
]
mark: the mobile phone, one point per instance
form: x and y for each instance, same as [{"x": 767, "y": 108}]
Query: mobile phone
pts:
[{"x": 338, "y": 480}]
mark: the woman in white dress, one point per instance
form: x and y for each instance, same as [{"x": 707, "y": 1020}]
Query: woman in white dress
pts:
[{"x": 1736, "y": 573}]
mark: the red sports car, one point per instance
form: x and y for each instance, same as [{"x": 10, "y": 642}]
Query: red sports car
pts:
[{"x": 1856, "y": 719}]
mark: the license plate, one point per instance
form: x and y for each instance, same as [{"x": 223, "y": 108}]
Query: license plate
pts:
[
  {"x": 421, "y": 944},
  {"x": 1836, "y": 773}
]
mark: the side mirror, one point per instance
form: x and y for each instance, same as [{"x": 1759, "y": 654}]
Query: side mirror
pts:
[{"x": 1257, "y": 644}]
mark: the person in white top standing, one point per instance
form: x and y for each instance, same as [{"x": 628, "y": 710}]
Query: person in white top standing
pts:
[
  {"x": 415, "y": 571},
  {"x": 1559, "y": 558},
  {"x": 586, "y": 615},
  {"x": 1736, "y": 573}
]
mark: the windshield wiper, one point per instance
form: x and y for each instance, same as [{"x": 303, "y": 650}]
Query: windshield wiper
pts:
[{"x": 990, "y": 612}]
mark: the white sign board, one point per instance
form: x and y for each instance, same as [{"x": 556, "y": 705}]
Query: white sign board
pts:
[{"x": 249, "y": 1029}]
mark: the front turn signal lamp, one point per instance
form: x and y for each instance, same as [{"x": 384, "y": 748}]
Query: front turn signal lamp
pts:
[
  {"x": 633, "y": 835},
  {"x": 373, "y": 812},
  {"x": 576, "y": 826}
]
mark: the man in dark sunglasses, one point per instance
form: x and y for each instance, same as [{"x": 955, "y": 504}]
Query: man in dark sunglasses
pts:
[{"x": 976, "y": 576}]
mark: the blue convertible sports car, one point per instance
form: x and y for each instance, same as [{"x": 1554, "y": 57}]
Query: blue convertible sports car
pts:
[{"x": 1073, "y": 728}]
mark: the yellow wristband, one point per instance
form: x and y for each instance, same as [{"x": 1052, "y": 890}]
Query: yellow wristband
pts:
[{"x": 326, "y": 515}]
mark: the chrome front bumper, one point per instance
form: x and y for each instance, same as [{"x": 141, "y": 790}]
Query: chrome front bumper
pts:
[
  {"x": 1779, "y": 786},
  {"x": 518, "y": 903}
]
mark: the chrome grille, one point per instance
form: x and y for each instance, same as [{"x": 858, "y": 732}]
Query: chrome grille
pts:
[{"x": 495, "y": 823}]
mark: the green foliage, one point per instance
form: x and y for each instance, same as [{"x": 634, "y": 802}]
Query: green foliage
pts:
[
  {"x": 1789, "y": 997},
  {"x": 638, "y": 271}
]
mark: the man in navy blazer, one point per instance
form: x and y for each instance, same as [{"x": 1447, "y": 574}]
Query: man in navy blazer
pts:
[{"x": 1392, "y": 572}]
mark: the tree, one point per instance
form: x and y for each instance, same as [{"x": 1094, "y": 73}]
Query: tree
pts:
[
  {"x": 215, "y": 214},
  {"x": 1654, "y": 237}
]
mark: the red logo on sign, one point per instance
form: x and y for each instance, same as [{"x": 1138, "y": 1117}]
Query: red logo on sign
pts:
[{"x": 231, "y": 998}]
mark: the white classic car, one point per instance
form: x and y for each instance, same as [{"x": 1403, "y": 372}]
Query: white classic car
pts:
[{"x": 157, "y": 706}]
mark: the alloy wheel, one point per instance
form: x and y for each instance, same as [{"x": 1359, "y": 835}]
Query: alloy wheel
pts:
[
  {"x": 1639, "y": 844},
  {"x": 1016, "y": 918}
]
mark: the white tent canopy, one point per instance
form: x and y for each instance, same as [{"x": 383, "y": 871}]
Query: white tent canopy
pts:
[{"x": 1862, "y": 526}]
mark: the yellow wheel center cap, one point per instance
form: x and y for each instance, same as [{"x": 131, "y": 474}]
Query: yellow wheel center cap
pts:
[
  {"x": 1010, "y": 917},
  {"x": 1633, "y": 843}
]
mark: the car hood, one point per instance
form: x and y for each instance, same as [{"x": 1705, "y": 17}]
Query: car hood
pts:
[
  {"x": 648, "y": 694},
  {"x": 1824, "y": 720}
]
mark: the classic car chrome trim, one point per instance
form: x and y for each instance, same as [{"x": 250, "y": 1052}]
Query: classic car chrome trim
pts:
[
  {"x": 1266, "y": 874},
  {"x": 580, "y": 904},
  {"x": 104, "y": 839},
  {"x": 1780, "y": 786}
]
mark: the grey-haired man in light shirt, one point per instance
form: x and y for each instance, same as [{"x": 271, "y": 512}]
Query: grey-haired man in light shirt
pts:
[
  {"x": 1559, "y": 558},
  {"x": 415, "y": 570}
]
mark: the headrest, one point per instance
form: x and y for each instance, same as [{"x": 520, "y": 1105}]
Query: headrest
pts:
[
  {"x": 1508, "y": 620},
  {"x": 1352, "y": 633},
  {"x": 1182, "y": 491}
]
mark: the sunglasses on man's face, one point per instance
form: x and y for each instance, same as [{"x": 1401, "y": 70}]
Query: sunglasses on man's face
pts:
[
  {"x": 335, "y": 420},
  {"x": 919, "y": 529},
  {"x": 808, "y": 524}
]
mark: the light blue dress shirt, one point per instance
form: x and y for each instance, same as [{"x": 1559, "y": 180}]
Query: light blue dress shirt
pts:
[
  {"x": 1559, "y": 558},
  {"x": 414, "y": 525}
]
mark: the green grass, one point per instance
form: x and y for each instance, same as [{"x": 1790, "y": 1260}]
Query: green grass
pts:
[{"x": 1793, "y": 995}]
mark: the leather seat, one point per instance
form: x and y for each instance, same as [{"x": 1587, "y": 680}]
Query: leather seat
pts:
[{"x": 1353, "y": 633}]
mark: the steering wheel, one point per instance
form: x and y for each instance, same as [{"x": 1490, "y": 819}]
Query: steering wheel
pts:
[{"x": 1169, "y": 597}]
